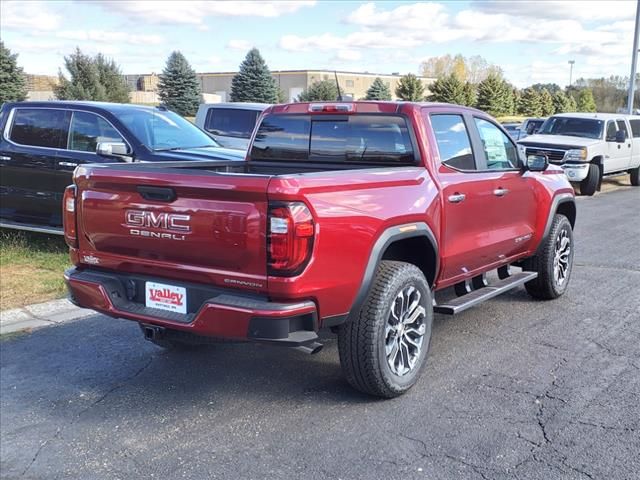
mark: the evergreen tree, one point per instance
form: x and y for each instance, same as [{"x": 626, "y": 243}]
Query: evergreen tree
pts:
[
  {"x": 561, "y": 103},
  {"x": 13, "y": 83},
  {"x": 178, "y": 87},
  {"x": 530, "y": 103},
  {"x": 324, "y": 90},
  {"x": 448, "y": 89},
  {"x": 470, "y": 92},
  {"x": 410, "y": 88},
  {"x": 84, "y": 82},
  {"x": 254, "y": 82},
  {"x": 111, "y": 78},
  {"x": 586, "y": 103},
  {"x": 517, "y": 99},
  {"x": 546, "y": 103},
  {"x": 495, "y": 96},
  {"x": 378, "y": 91}
]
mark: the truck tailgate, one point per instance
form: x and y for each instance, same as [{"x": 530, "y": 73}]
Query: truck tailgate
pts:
[{"x": 193, "y": 225}]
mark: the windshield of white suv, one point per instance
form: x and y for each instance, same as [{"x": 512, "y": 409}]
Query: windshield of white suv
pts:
[
  {"x": 162, "y": 130},
  {"x": 572, "y": 127}
]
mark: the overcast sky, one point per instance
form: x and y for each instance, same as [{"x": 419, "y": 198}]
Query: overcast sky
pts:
[{"x": 531, "y": 41}]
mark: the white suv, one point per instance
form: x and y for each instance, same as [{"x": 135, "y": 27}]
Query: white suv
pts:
[
  {"x": 589, "y": 146},
  {"x": 230, "y": 124}
]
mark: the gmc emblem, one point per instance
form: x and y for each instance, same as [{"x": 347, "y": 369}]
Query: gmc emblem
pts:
[{"x": 142, "y": 219}]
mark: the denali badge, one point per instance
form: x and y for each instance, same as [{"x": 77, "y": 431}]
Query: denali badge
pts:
[{"x": 143, "y": 219}]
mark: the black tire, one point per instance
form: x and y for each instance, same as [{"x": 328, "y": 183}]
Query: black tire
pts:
[
  {"x": 363, "y": 340},
  {"x": 548, "y": 285},
  {"x": 589, "y": 185},
  {"x": 634, "y": 176}
]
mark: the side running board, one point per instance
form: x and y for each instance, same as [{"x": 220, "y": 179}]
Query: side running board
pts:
[{"x": 479, "y": 295}]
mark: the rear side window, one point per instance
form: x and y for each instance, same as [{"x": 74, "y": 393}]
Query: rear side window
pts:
[
  {"x": 231, "y": 122},
  {"x": 635, "y": 128},
  {"x": 88, "y": 129},
  {"x": 623, "y": 126},
  {"x": 367, "y": 139},
  {"x": 453, "y": 141},
  {"x": 40, "y": 127}
]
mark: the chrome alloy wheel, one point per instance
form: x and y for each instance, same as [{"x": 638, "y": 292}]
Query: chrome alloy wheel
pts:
[
  {"x": 404, "y": 331},
  {"x": 562, "y": 258}
]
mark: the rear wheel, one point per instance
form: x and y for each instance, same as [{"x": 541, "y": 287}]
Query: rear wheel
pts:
[
  {"x": 384, "y": 347},
  {"x": 553, "y": 262},
  {"x": 589, "y": 185},
  {"x": 635, "y": 176}
]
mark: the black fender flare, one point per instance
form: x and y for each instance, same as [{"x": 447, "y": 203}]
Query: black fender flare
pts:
[
  {"x": 555, "y": 203},
  {"x": 389, "y": 236}
]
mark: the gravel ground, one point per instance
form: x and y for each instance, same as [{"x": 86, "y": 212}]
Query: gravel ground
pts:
[{"x": 515, "y": 388}]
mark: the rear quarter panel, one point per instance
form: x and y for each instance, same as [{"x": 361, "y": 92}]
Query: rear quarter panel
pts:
[{"x": 351, "y": 210}]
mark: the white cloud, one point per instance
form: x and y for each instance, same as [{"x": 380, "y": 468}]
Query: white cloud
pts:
[
  {"x": 195, "y": 12},
  {"x": 329, "y": 41},
  {"x": 417, "y": 16},
  {"x": 102, "y": 36},
  {"x": 348, "y": 55},
  {"x": 239, "y": 45},
  {"x": 586, "y": 11},
  {"x": 32, "y": 16}
]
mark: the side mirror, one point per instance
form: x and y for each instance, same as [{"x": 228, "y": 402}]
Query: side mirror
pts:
[
  {"x": 620, "y": 136},
  {"x": 537, "y": 163},
  {"x": 112, "y": 149}
]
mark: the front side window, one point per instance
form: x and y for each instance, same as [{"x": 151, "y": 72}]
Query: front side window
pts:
[
  {"x": 231, "y": 122},
  {"x": 499, "y": 150},
  {"x": 88, "y": 129},
  {"x": 611, "y": 131},
  {"x": 453, "y": 141},
  {"x": 40, "y": 127}
]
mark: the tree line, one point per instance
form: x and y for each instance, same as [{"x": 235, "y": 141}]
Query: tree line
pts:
[{"x": 459, "y": 80}]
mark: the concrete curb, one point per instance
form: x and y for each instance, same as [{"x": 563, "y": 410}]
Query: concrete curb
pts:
[{"x": 40, "y": 315}]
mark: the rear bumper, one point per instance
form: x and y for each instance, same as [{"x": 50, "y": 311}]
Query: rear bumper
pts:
[{"x": 211, "y": 312}]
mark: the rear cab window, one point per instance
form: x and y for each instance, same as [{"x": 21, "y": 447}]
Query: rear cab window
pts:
[
  {"x": 40, "y": 127},
  {"x": 348, "y": 139},
  {"x": 231, "y": 122}
]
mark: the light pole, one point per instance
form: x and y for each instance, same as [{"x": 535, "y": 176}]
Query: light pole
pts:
[
  {"x": 571, "y": 62},
  {"x": 634, "y": 61}
]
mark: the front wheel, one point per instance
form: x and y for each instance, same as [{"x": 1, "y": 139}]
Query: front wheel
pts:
[
  {"x": 553, "y": 262},
  {"x": 384, "y": 347},
  {"x": 589, "y": 185}
]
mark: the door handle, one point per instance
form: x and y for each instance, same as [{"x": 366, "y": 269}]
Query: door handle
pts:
[
  {"x": 457, "y": 197},
  {"x": 500, "y": 192},
  {"x": 67, "y": 164}
]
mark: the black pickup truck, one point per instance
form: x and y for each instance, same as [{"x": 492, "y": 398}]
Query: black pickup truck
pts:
[{"x": 43, "y": 142}]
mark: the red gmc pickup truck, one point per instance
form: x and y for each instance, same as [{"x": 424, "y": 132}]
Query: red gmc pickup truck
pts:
[{"x": 348, "y": 216}]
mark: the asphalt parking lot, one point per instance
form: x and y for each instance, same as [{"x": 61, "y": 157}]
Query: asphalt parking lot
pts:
[{"x": 515, "y": 388}]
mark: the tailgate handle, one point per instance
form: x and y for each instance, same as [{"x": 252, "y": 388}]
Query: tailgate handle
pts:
[{"x": 159, "y": 194}]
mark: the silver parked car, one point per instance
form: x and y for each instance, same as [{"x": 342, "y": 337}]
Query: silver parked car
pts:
[{"x": 230, "y": 124}]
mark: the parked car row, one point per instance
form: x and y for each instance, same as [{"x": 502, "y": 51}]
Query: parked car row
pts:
[
  {"x": 590, "y": 146},
  {"x": 43, "y": 142},
  {"x": 529, "y": 126}
]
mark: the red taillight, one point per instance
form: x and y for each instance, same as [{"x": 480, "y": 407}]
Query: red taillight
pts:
[
  {"x": 291, "y": 231},
  {"x": 69, "y": 216}
]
